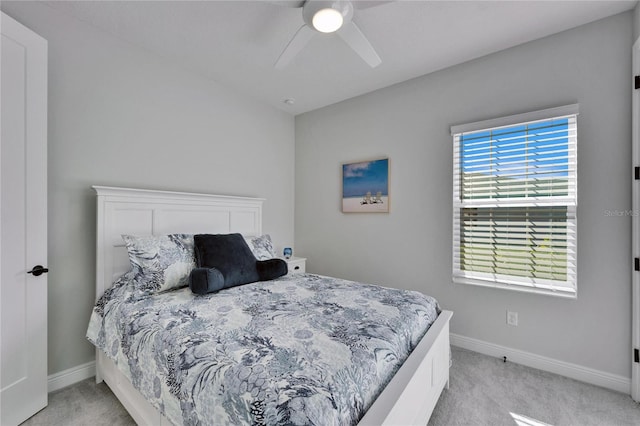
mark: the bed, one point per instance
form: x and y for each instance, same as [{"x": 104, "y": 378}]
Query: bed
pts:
[{"x": 258, "y": 358}]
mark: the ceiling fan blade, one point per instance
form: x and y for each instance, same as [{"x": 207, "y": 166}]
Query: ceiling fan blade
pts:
[
  {"x": 366, "y": 4},
  {"x": 357, "y": 4},
  {"x": 287, "y": 3},
  {"x": 352, "y": 35},
  {"x": 299, "y": 40}
]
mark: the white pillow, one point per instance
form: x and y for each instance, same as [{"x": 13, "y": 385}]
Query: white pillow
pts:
[
  {"x": 161, "y": 263},
  {"x": 261, "y": 246}
]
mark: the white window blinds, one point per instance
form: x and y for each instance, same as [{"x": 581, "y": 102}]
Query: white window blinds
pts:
[{"x": 514, "y": 202}]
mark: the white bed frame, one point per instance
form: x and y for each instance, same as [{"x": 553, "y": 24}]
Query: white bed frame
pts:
[{"x": 408, "y": 399}]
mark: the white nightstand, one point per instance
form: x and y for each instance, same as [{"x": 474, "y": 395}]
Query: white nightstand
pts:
[{"x": 296, "y": 265}]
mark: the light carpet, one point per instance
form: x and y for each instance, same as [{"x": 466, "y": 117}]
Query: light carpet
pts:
[
  {"x": 483, "y": 391},
  {"x": 487, "y": 391}
]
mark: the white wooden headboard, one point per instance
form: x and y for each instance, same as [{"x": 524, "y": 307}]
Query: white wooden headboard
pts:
[{"x": 147, "y": 212}]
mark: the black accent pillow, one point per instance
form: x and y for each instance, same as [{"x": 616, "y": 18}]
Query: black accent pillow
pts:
[
  {"x": 271, "y": 269},
  {"x": 232, "y": 262},
  {"x": 205, "y": 280}
]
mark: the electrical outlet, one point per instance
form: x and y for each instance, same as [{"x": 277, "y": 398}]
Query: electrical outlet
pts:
[{"x": 512, "y": 318}]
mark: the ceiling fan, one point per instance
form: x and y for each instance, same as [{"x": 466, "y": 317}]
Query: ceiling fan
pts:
[{"x": 326, "y": 16}]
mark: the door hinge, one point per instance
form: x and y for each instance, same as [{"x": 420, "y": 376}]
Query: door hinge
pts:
[
  {"x": 636, "y": 264},
  {"x": 636, "y": 81},
  {"x": 636, "y": 173},
  {"x": 636, "y": 355}
]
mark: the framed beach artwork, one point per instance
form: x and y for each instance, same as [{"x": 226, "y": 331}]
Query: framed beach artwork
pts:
[{"x": 365, "y": 186}]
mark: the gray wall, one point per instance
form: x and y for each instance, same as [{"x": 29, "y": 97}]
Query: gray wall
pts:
[
  {"x": 636, "y": 22},
  {"x": 121, "y": 116},
  {"x": 411, "y": 246}
]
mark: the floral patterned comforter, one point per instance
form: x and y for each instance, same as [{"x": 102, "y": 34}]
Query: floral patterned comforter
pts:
[{"x": 302, "y": 349}]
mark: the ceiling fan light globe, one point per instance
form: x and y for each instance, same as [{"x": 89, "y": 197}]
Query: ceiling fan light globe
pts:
[{"x": 327, "y": 20}]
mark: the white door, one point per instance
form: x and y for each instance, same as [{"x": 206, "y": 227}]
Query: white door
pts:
[
  {"x": 23, "y": 223},
  {"x": 635, "y": 229}
]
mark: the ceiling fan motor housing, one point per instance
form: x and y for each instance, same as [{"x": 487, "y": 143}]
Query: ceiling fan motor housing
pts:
[{"x": 311, "y": 7}]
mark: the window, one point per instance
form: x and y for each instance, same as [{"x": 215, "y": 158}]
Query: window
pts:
[{"x": 514, "y": 202}]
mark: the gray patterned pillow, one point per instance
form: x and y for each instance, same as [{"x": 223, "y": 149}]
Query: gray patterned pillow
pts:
[
  {"x": 262, "y": 247},
  {"x": 161, "y": 263}
]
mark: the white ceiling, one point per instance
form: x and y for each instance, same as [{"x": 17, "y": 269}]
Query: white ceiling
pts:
[{"x": 236, "y": 43}]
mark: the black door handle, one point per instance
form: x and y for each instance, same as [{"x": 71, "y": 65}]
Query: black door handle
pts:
[{"x": 38, "y": 270}]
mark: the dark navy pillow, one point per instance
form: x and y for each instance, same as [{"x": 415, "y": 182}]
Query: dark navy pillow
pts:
[{"x": 225, "y": 260}]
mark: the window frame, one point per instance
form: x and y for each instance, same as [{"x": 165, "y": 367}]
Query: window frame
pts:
[{"x": 513, "y": 282}]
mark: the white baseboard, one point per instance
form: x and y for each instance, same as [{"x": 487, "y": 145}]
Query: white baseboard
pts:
[
  {"x": 71, "y": 376},
  {"x": 573, "y": 371}
]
